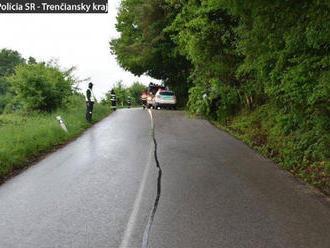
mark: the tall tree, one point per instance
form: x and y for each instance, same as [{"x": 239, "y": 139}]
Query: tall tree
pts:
[{"x": 145, "y": 47}]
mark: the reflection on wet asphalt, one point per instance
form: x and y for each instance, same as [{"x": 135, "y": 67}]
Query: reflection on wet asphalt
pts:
[
  {"x": 103, "y": 190},
  {"x": 83, "y": 194}
]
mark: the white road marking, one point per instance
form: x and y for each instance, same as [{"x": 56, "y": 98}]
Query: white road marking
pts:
[
  {"x": 151, "y": 119},
  {"x": 132, "y": 219}
]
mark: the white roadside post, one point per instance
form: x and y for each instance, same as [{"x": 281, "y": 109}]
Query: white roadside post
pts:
[{"x": 60, "y": 121}]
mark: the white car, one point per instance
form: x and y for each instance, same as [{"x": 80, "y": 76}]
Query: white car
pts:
[{"x": 165, "y": 99}]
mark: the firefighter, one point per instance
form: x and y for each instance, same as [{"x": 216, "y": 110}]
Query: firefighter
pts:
[
  {"x": 144, "y": 99},
  {"x": 90, "y": 99},
  {"x": 129, "y": 101},
  {"x": 113, "y": 100}
]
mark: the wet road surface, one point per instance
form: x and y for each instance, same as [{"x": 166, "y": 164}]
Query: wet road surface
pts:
[{"x": 101, "y": 191}]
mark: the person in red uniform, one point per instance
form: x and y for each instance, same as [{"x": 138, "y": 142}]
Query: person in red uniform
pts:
[{"x": 144, "y": 99}]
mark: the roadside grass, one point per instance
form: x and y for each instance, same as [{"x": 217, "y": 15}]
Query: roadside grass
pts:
[
  {"x": 304, "y": 152},
  {"x": 24, "y": 136}
]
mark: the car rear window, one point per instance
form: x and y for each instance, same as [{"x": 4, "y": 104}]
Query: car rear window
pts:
[{"x": 166, "y": 93}]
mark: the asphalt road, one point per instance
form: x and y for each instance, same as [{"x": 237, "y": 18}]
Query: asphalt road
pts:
[{"x": 187, "y": 184}]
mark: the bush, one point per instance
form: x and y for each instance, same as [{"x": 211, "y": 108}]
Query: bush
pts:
[{"x": 40, "y": 86}]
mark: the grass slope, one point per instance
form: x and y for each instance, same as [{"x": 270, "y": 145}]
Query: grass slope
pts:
[
  {"x": 24, "y": 136},
  {"x": 305, "y": 153}
]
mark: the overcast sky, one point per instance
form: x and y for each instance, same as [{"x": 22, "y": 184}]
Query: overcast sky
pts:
[{"x": 80, "y": 40}]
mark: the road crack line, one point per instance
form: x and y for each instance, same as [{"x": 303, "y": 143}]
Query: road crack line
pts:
[{"x": 145, "y": 242}]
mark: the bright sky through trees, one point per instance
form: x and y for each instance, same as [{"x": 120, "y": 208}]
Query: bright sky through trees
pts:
[{"x": 81, "y": 40}]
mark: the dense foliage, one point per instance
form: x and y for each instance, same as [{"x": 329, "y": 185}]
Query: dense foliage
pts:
[
  {"x": 122, "y": 93},
  {"x": 240, "y": 57},
  {"x": 40, "y": 86}
]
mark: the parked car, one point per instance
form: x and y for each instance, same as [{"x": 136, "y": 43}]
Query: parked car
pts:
[
  {"x": 151, "y": 92},
  {"x": 165, "y": 99}
]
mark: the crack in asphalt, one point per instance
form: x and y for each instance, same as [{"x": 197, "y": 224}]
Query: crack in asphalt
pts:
[{"x": 145, "y": 242}]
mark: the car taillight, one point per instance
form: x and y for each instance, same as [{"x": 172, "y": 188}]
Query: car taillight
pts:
[{"x": 174, "y": 97}]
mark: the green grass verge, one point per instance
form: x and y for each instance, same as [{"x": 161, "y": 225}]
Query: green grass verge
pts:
[
  {"x": 304, "y": 152},
  {"x": 25, "y": 136}
]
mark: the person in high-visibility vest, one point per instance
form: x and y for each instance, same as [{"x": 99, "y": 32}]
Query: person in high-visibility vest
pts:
[
  {"x": 144, "y": 99},
  {"x": 90, "y": 99},
  {"x": 113, "y": 99},
  {"x": 129, "y": 102}
]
